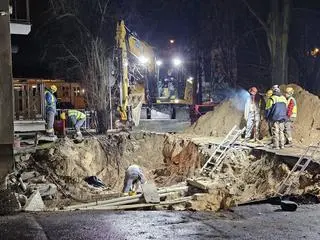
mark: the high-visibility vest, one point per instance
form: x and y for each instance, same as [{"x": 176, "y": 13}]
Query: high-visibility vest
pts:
[
  {"x": 52, "y": 103},
  {"x": 78, "y": 115},
  {"x": 274, "y": 100},
  {"x": 295, "y": 107}
]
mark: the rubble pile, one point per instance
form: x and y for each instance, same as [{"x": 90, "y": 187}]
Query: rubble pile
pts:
[{"x": 30, "y": 185}]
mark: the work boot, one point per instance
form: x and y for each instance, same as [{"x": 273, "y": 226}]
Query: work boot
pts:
[
  {"x": 275, "y": 147},
  {"x": 288, "y": 144},
  {"x": 50, "y": 134}
]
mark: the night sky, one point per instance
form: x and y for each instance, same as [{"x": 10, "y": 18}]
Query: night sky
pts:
[{"x": 158, "y": 21}]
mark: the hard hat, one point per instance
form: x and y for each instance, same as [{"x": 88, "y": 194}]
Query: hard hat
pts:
[
  {"x": 253, "y": 90},
  {"x": 289, "y": 90},
  {"x": 269, "y": 93},
  {"x": 53, "y": 88},
  {"x": 63, "y": 116},
  {"x": 275, "y": 88}
]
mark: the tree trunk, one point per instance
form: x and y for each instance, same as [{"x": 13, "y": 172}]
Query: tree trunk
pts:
[
  {"x": 279, "y": 20},
  {"x": 102, "y": 116}
]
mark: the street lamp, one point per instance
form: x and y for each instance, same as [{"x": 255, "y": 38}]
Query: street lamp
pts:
[{"x": 177, "y": 62}]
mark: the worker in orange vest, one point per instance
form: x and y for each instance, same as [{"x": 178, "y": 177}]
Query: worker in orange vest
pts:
[{"x": 292, "y": 111}]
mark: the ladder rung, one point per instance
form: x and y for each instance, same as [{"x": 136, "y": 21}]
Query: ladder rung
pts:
[
  {"x": 300, "y": 165},
  {"x": 207, "y": 169},
  {"x": 211, "y": 163}
]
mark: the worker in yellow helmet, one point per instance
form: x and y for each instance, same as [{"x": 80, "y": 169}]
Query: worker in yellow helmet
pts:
[
  {"x": 51, "y": 108},
  {"x": 268, "y": 95},
  {"x": 276, "y": 113},
  {"x": 134, "y": 177},
  {"x": 77, "y": 118},
  {"x": 292, "y": 111}
]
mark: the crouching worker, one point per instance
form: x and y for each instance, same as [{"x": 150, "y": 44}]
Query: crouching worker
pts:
[
  {"x": 133, "y": 179},
  {"x": 77, "y": 118}
]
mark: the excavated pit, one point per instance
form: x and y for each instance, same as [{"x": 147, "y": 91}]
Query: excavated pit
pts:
[{"x": 166, "y": 159}]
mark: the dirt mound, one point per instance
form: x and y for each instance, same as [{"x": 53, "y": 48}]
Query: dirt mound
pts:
[
  {"x": 230, "y": 113},
  {"x": 220, "y": 121},
  {"x": 307, "y": 126}
]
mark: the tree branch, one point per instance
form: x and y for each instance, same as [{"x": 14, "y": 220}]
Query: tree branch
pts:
[{"x": 264, "y": 25}]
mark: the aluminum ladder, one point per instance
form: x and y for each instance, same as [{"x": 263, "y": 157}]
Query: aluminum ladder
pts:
[
  {"x": 300, "y": 166},
  {"x": 220, "y": 152}
]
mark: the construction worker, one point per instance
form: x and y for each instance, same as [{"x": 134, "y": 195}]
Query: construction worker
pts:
[
  {"x": 276, "y": 113},
  {"x": 269, "y": 94},
  {"x": 133, "y": 178},
  {"x": 77, "y": 118},
  {"x": 252, "y": 114},
  {"x": 292, "y": 110},
  {"x": 51, "y": 108}
]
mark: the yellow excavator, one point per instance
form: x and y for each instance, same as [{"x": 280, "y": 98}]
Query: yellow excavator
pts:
[
  {"x": 136, "y": 66},
  {"x": 135, "y": 63}
]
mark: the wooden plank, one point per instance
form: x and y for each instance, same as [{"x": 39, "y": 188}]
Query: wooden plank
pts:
[
  {"x": 201, "y": 184},
  {"x": 139, "y": 205}
]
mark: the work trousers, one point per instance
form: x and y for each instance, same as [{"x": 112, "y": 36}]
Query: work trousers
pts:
[
  {"x": 278, "y": 134},
  {"x": 288, "y": 126},
  {"x": 131, "y": 182},
  {"x": 50, "y": 121},
  {"x": 252, "y": 124},
  {"x": 77, "y": 123}
]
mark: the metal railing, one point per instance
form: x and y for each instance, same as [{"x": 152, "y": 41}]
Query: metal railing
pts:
[{"x": 90, "y": 122}]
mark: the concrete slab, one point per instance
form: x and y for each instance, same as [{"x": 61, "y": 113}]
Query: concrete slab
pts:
[
  {"x": 29, "y": 125},
  {"x": 150, "y": 193},
  {"x": 34, "y": 203},
  {"x": 201, "y": 183},
  {"x": 45, "y": 189}
]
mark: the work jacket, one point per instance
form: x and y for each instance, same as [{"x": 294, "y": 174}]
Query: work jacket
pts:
[
  {"x": 76, "y": 114},
  {"x": 276, "y": 108},
  {"x": 50, "y": 101},
  {"x": 292, "y": 108},
  {"x": 252, "y": 106}
]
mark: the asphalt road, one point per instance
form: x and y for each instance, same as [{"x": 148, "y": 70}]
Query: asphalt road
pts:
[{"x": 249, "y": 222}]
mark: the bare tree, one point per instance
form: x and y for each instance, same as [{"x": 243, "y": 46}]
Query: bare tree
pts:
[
  {"x": 276, "y": 28},
  {"x": 221, "y": 30},
  {"x": 80, "y": 43}
]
